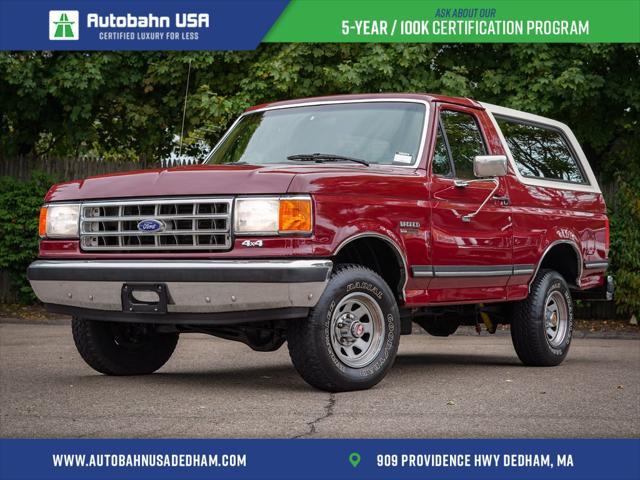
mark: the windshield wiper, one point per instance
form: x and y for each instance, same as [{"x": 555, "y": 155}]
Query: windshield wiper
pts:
[{"x": 325, "y": 157}]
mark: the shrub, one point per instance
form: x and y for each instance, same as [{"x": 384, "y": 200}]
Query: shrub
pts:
[
  {"x": 20, "y": 204},
  {"x": 624, "y": 214}
]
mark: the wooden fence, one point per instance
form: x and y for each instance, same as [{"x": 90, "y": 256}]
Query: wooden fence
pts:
[
  {"x": 64, "y": 168},
  {"x": 7, "y": 294},
  {"x": 597, "y": 311}
]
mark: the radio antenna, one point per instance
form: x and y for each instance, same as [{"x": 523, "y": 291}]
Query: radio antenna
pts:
[{"x": 184, "y": 109}]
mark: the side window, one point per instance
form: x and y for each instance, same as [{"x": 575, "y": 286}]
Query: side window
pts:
[
  {"x": 441, "y": 163},
  {"x": 465, "y": 141},
  {"x": 540, "y": 152}
]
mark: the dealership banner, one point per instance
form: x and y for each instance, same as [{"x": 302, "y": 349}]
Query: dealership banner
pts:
[
  {"x": 321, "y": 459},
  {"x": 243, "y": 24}
]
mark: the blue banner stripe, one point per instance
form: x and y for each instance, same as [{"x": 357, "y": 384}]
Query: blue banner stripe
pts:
[
  {"x": 564, "y": 459},
  {"x": 139, "y": 25}
]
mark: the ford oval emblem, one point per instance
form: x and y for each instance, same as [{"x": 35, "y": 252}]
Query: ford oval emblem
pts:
[{"x": 151, "y": 226}]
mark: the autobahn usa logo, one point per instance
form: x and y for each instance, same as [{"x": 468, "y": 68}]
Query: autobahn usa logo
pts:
[{"x": 64, "y": 25}]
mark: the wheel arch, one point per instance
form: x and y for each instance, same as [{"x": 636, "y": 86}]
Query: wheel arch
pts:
[
  {"x": 380, "y": 253},
  {"x": 564, "y": 257}
]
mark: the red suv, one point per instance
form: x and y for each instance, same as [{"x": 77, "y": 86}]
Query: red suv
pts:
[{"x": 334, "y": 223}]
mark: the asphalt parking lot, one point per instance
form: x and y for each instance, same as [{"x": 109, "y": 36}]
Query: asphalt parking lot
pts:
[{"x": 461, "y": 386}]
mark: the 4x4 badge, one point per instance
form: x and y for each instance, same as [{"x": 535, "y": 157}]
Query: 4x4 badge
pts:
[{"x": 249, "y": 243}]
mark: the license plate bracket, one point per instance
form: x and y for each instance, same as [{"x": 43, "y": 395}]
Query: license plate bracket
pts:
[{"x": 144, "y": 298}]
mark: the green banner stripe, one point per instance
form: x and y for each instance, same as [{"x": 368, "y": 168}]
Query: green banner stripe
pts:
[{"x": 433, "y": 21}]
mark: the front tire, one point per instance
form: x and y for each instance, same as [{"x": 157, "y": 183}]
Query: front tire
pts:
[
  {"x": 542, "y": 324},
  {"x": 350, "y": 339},
  {"x": 118, "y": 348}
]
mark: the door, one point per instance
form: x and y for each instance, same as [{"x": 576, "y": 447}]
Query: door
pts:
[{"x": 472, "y": 258}]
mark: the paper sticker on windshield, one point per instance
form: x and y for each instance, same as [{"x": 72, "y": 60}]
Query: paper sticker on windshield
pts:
[{"x": 400, "y": 157}]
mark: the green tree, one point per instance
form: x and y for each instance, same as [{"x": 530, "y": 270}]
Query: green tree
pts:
[{"x": 129, "y": 104}]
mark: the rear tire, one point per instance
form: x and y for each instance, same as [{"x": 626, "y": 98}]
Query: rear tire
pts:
[
  {"x": 542, "y": 324},
  {"x": 350, "y": 339},
  {"x": 117, "y": 348}
]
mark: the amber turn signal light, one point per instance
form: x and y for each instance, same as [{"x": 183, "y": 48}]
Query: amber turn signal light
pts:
[
  {"x": 42, "y": 222},
  {"x": 295, "y": 215}
]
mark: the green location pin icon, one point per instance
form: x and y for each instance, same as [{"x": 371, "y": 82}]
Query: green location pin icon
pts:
[{"x": 354, "y": 459}]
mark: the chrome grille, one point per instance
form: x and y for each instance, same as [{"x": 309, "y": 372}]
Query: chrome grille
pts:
[{"x": 185, "y": 224}]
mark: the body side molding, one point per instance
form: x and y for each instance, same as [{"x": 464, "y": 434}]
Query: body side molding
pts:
[{"x": 422, "y": 271}]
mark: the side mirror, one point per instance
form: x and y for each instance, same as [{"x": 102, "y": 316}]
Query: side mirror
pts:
[{"x": 490, "y": 166}]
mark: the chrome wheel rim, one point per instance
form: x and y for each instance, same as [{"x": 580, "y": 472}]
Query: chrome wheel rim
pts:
[
  {"x": 556, "y": 318},
  {"x": 357, "y": 330}
]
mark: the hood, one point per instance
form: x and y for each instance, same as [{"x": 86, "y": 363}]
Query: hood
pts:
[
  {"x": 203, "y": 180},
  {"x": 193, "y": 180}
]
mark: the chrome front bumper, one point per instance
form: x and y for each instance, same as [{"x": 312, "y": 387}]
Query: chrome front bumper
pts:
[{"x": 193, "y": 287}]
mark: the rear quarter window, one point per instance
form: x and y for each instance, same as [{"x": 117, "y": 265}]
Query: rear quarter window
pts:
[{"x": 541, "y": 152}]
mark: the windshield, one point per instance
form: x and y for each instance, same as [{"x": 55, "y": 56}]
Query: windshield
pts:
[{"x": 386, "y": 133}]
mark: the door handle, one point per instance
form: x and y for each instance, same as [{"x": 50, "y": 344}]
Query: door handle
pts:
[{"x": 502, "y": 199}]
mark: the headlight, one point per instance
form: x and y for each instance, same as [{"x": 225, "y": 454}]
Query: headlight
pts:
[
  {"x": 59, "y": 221},
  {"x": 271, "y": 216},
  {"x": 257, "y": 215}
]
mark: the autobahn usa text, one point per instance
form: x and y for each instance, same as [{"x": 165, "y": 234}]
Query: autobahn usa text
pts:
[{"x": 181, "y": 20}]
